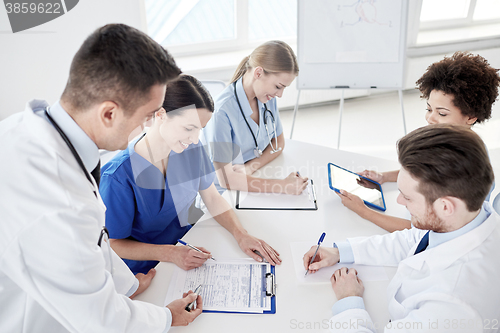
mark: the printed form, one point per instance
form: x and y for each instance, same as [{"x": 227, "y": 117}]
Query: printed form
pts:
[{"x": 228, "y": 286}]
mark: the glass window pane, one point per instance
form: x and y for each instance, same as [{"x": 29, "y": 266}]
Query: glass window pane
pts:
[
  {"x": 177, "y": 22},
  {"x": 437, "y": 10},
  {"x": 272, "y": 19},
  {"x": 487, "y": 10}
]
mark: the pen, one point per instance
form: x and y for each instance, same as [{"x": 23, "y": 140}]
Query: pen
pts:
[
  {"x": 317, "y": 248},
  {"x": 191, "y": 246},
  {"x": 260, "y": 255},
  {"x": 313, "y": 190},
  {"x": 197, "y": 291}
]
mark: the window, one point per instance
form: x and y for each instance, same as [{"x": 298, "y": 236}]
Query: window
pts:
[
  {"x": 454, "y": 13},
  {"x": 198, "y": 26},
  {"x": 457, "y": 21}
]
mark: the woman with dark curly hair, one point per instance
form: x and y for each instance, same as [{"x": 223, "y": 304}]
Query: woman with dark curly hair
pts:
[{"x": 460, "y": 90}]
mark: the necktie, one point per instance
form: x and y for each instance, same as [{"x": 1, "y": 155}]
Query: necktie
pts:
[
  {"x": 96, "y": 173},
  {"x": 424, "y": 242}
]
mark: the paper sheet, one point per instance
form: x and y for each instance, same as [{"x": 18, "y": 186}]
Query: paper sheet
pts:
[
  {"x": 228, "y": 285},
  {"x": 255, "y": 200},
  {"x": 365, "y": 273}
]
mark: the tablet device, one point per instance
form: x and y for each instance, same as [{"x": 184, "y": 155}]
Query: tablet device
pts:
[{"x": 368, "y": 190}]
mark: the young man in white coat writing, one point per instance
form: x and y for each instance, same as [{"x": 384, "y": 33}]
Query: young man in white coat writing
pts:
[
  {"x": 448, "y": 267},
  {"x": 57, "y": 270}
]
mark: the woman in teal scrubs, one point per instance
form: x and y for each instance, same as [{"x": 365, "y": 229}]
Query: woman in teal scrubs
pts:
[
  {"x": 245, "y": 132},
  {"x": 149, "y": 187}
]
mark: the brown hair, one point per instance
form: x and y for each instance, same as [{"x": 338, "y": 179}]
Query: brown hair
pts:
[
  {"x": 186, "y": 90},
  {"x": 469, "y": 78},
  {"x": 117, "y": 63},
  {"x": 447, "y": 160},
  {"x": 274, "y": 57}
]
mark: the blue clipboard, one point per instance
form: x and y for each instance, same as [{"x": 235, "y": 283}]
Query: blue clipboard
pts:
[{"x": 270, "y": 283}]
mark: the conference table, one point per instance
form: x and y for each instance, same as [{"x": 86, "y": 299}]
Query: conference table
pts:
[{"x": 299, "y": 306}]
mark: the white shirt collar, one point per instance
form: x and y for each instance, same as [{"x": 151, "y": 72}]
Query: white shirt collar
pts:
[
  {"x": 85, "y": 147},
  {"x": 436, "y": 238}
]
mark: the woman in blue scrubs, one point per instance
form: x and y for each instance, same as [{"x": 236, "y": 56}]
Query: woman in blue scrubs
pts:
[
  {"x": 149, "y": 187},
  {"x": 245, "y": 132}
]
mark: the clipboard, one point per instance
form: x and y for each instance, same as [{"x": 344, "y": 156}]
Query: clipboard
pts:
[
  {"x": 278, "y": 201},
  {"x": 270, "y": 291},
  {"x": 261, "y": 297}
]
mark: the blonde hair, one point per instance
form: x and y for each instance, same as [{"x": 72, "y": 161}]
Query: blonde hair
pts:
[{"x": 274, "y": 56}]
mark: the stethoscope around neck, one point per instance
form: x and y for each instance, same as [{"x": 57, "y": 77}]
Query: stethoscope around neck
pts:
[
  {"x": 267, "y": 114},
  {"x": 104, "y": 234}
]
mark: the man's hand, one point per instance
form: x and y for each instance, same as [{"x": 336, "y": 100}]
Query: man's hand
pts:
[
  {"x": 326, "y": 256},
  {"x": 345, "y": 283},
  {"x": 187, "y": 258},
  {"x": 351, "y": 201},
  {"x": 249, "y": 244},
  {"x": 144, "y": 281},
  {"x": 181, "y": 317}
]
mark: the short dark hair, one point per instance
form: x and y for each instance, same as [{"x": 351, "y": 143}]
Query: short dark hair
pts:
[
  {"x": 186, "y": 90},
  {"x": 469, "y": 78},
  {"x": 118, "y": 63},
  {"x": 447, "y": 160}
]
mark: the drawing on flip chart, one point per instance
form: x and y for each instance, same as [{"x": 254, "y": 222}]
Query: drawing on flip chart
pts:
[
  {"x": 366, "y": 11},
  {"x": 350, "y": 31}
]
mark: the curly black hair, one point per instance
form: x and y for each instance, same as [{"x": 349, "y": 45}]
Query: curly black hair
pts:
[{"x": 469, "y": 78}]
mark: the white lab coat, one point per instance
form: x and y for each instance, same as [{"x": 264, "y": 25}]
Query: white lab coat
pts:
[
  {"x": 452, "y": 287},
  {"x": 53, "y": 275}
]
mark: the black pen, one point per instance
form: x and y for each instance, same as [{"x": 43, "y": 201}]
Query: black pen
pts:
[{"x": 190, "y": 306}]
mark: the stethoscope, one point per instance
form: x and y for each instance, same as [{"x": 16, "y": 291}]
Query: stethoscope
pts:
[
  {"x": 267, "y": 115},
  {"x": 104, "y": 231}
]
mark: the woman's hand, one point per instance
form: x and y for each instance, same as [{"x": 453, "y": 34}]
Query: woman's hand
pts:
[
  {"x": 187, "y": 258},
  {"x": 250, "y": 245},
  {"x": 144, "y": 281},
  {"x": 353, "y": 202},
  {"x": 294, "y": 184},
  {"x": 373, "y": 175}
]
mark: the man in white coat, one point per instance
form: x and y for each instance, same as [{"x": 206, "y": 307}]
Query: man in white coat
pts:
[
  {"x": 448, "y": 267},
  {"x": 57, "y": 273}
]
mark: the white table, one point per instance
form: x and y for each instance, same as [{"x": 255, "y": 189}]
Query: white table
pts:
[{"x": 297, "y": 305}]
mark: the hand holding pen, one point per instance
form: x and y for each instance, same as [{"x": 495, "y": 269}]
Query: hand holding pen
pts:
[
  {"x": 294, "y": 183},
  {"x": 182, "y": 317},
  {"x": 186, "y": 257},
  {"x": 318, "y": 257},
  {"x": 316, "y": 252},
  {"x": 195, "y": 248}
]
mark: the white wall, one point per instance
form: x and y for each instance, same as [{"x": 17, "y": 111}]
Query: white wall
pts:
[{"x": 35, "y": 63}]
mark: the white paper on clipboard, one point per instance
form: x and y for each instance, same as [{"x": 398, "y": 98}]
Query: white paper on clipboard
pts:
[{"x": 253, "y": 200}]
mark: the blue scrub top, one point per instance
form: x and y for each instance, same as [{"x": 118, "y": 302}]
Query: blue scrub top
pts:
[
  {"x": 227, "y": 134},
  {"x": 145, "y": 206}
]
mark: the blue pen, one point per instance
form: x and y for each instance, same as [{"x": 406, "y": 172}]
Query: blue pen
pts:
[
  {"x": 191, "y": 246},
  {"x": 314, "y": 256}
]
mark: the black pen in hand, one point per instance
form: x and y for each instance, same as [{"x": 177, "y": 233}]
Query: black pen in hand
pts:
[{"x": 190, "y": 306}]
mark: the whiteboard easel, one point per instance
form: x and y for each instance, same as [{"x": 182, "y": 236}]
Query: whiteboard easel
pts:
[{"x": 351, "y": 44}]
